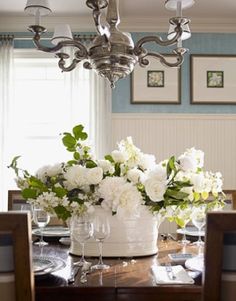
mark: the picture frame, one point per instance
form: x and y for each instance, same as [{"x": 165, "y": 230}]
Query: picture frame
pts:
[
  {"x": 212, "y": 79},
  {"x": 156, "y": 84}
]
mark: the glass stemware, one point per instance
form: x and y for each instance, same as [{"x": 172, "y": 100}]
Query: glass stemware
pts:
[
  {"x": 41, "y": 218},
  {"x": 81, "y": 231},
  {"x": 185, "y": 217},
  {"x": 101, "y": 231},
  {"x": 27, "y": 208},
  {"x": 199, "y": 220}
]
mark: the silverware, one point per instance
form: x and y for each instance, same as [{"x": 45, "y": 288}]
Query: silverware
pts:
[
  {"x": 73, "y": 273},
  {"x": 169, "y": 271}
]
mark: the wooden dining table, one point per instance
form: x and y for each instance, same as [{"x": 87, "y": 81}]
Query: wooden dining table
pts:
[{"x": 126, "y": 279}]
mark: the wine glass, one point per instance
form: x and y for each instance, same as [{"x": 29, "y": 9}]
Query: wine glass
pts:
[
  {"x": 101, "y": 230},
  {"x": 41, "y": 218},
  {"x": 198, "y": 217},
  {"x": 27, "y": 208},
  {"x": 81, "y": 231},
  {"x": 185, "y": 217}
]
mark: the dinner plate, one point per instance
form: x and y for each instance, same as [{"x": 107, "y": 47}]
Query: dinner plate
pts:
[
  {"x": 191, "y": 231},
  {"x": 56, "y": 264},
  {"x": 53, "y": 232},
  {"x": 195, "y": 264},
  {"x": 41, "y": 263}
]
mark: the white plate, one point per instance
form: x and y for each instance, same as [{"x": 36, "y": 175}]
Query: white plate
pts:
[
  {"x": 57, "y": 264},
  {"x": 191, "y": 231},
  {"x": 41, "y": 263},
  {"x": 196, "y": 263},
  {"x": 53, "y": 232},
  {"x": 65, "y": 241}
]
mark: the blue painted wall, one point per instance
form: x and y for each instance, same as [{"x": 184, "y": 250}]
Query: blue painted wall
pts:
[{"x": 199, "y": 43}]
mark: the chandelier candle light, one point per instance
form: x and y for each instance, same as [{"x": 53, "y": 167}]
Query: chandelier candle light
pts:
[{"x": 113, "y": 53}]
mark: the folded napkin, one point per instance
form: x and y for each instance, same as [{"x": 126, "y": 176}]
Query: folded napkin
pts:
[{"x": 163, "y": 277}]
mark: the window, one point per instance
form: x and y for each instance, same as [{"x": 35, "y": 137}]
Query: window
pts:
[{"x": 46, "y": 103}]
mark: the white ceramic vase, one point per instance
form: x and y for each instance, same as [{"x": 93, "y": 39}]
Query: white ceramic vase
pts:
[{"x": 128, "y": 238}]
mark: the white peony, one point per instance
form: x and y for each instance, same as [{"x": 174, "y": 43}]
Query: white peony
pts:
[
  {"x": 94, "y": 175},
  {"x": 49, "y": 171},
  {"x": 75, "y": 177},
  {"x": 128, "y": 201}
]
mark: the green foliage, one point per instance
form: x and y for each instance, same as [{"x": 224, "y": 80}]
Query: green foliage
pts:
[{"x": 90, "y": 164}]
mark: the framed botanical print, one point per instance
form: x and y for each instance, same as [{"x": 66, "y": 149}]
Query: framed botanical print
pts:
[
  {"x": 213, "y": 79},
  {"x": 156, "y": 83}
]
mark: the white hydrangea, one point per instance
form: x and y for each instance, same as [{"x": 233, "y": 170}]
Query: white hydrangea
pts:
[
  {"x": 49, "y": 171},
  {"x": 75, "y": 177},
  {"x": 191, "y": 160}
]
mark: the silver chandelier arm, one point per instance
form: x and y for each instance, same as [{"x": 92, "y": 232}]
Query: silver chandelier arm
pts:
[
  {"x": 179, "y": 55},
  {"x": 138, "y": 49},
  {"x": 62, "y": 63},
  {"x": 38, "y": 30}
]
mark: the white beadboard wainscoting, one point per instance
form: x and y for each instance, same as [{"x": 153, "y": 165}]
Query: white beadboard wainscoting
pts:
[{"x": 170, "y": 134}]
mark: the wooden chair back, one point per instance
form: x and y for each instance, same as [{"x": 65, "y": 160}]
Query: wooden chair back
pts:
[
  {"x": 16, "y": 274},
  {"x": 220, "y": 260}
]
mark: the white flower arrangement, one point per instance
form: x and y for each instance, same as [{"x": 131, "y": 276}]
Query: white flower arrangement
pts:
[{"x": 123, "y": 182}]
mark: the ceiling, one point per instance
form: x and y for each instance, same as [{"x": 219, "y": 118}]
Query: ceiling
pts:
[{"x": 136, "y": 15}]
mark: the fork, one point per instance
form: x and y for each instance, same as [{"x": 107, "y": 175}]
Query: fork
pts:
[{"x": 169, "y": 271}]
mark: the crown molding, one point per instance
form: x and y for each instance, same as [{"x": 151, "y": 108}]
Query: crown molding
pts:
[{"x": 84, "y": 24}]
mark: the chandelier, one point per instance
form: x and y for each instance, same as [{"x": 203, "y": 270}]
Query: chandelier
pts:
[{"x": 112, "y": 53}]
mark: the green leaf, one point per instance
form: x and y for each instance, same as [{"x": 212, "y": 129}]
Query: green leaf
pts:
[
  {"x": 62, "y": 212},
  {"x": 13, "y": 165},
  {"x": 72, "y": 162},
  {"x": 29, "y": 193},
  {"x": 178, "y": 195},
  {"x": 76, "y": 156},
  {"x": 109, "y": 158},
  {"x": 78, "y": 132},
  {"x": 69, "y": 141},
  {"x": 36, "y": 183},
  {"x": 91, "y": 164},
  {"x": 60, "y": 191},
  {"x": 170, "y": 166}
]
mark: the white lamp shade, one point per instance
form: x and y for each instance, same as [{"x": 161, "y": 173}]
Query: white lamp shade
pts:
[
  {"x": 62, "y": 32},
  {"x": 33, "y": 6},
  {"x": 186, "y": 34},
  {"x": 172, "y": 4}
]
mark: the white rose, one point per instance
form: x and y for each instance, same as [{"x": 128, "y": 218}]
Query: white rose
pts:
[
  {"x": 159, "y": 173},
  {"x": 155, "y": 189},
  {"x": 188, "y": 163},
  {"x": 198, "y": 182},
  {"x": 134, "y": 175},
  {"x": 119, "y": 156},
  {"x": 106, "y": 166},
  {"x": 94, "y": 175},
  {"x": 146, "y": 161}
]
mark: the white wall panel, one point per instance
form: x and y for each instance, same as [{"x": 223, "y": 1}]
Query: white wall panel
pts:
[{"x": 168, "y": 134}]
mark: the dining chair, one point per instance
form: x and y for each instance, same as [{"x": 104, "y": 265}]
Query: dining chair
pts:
[
  {"x": 16, "y": 273},
  {"x": 219, "y": 279},
  {"x": 16, "y": 200}
]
